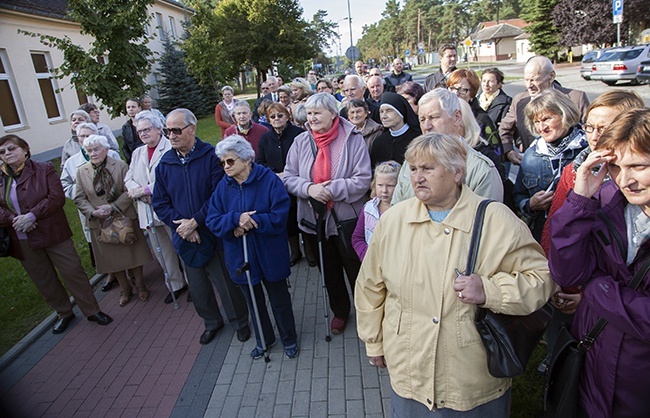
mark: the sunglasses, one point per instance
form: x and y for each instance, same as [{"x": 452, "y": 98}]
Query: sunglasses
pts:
[
  {"x": 175, "y": 131},
  {"x": 277, "y": 116},
  {"x": 228, "y": 162}
]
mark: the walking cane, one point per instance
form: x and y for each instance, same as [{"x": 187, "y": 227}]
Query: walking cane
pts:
[
  {"x": 320, "y": 209},
  {"x": 247, "y": 268},
  {"x": 154, "y": 235}
]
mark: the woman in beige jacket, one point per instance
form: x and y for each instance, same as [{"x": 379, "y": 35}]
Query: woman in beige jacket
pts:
[{"x": 415, "y": 308}]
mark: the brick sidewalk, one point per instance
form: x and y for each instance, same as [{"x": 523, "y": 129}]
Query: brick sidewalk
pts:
[{"x": 148, "y": 363}]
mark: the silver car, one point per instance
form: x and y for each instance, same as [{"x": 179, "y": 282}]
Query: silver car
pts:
[{"x": 620, "y": 65}]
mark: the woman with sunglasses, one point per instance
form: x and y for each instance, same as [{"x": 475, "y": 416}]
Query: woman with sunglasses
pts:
[
  {"x": 272, "y": 153},
  {"x": 250, "y": 200}
]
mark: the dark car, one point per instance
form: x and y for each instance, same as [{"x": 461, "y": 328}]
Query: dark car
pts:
[{"x": 643, "y": 72}]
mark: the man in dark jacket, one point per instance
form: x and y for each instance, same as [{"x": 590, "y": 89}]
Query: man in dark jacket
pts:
[
  {"x": 448, "y": 59},
  {"x": 397, "y": 76},
  {"x": 185, "y": 179}
]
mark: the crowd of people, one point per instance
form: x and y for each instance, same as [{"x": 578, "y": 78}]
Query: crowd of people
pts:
[{"x": 377, "y": 179}]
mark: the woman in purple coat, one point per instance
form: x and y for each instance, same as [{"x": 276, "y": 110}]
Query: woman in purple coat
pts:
[{"x": 585, "y": 252}]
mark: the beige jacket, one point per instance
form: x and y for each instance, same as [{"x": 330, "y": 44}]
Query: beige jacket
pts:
[{"x": 408, "y": 311}]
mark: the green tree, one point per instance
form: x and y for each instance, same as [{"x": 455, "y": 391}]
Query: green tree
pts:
[
  {"x": 544, "y": 36},
  {"x": 178, "y": 88},
  {"x": 118, "y": 60}
]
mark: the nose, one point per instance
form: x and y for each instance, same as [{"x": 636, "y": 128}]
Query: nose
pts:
[{"x": 625, "y": 178}]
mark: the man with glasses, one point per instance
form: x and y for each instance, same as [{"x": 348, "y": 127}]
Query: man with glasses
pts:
[
  {"x": 269, "y": 93},
  {"x": 185, "y": 180},
  {"x": 538, "y": 76},
  {"x": 244, "y": 126}
]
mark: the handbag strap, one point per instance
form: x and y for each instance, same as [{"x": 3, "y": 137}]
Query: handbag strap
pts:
[{"x": 476, "y": 236}]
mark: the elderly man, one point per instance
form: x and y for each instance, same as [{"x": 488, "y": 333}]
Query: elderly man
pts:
[
  {"x": 401, "y": 127},
  {"x": 245, "y": 126},
  {"x": 538, "y": 76},
  {"x": 448, "y": 58},
  {"x": 185, "y": 180},
  {"x": 440, "y": 111},
  {"x": 388, "y": 86},
  {"x": 269, "y": 93},
  {"x": 353, "y": 88},
  {"x": 375, "y": 86},
  {"x": 397, "y": 76}
]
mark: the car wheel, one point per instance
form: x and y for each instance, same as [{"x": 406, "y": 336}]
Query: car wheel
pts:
[
  {"x": 609, "y": 82},
  {"x": 634, "y": 82}
]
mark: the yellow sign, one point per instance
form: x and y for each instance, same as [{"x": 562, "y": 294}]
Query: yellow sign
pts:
[{"x": 467, "y": 42}]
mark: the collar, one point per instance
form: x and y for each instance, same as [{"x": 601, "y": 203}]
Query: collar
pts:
[
  {"x": 400, "y": 131},
  {"x": 458, "y": 218}
]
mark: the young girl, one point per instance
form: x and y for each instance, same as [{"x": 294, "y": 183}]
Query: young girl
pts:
[{"x": 382, "y": 186}]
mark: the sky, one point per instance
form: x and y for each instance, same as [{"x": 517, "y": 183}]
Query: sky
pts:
[{"x": 363, "y": 12}]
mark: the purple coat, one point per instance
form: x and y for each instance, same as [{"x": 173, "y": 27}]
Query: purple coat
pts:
[{"x": 616, "y": 377}]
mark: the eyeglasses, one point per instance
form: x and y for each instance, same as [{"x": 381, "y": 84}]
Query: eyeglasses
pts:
[
  {"x": 228, "y": 162},
  {"x": 265, "y": 88},
  {"x": 10, "y": 148},
  {"x": 591, "y": 128},
  {"x": 147, "y": 130},
  {"x": 277, "y": 116},
  {"x": 461, "y": 90},
  {"x": 175, "y": 131}
]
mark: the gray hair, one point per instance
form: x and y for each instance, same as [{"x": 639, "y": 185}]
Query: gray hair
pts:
[
  {"x": 224, "y": 88},
  {"x": 354, "y": 78},
  {"x": 81, "y": 113},
  {"x": 323, "y": 101},
  {"x": 148, "y": 115},
  {"x": 448, "y": 101},
  {"x": 272, "y": 78},
  {"x": 543, "y": 63},
  {"x": 554, "y": 102},
  {"x": 300, "y": 114},
  {"x": 94, "y": 140},
  {"x": 188, "y": 116},
  {"x": 472, "y": 131},
  {"x": 237, "y": 144},
  {"x": 447, "y": 150},
  {"x": 87, "y": 125},
  {"x": 241, "y": 103}
]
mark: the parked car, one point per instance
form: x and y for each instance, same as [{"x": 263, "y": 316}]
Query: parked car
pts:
[
  {"x": 588, "y": 59},
  {"x": 407, "y": 66},
  {"x": 643, "y": 72},
  {"x": 620, "y": 65}
]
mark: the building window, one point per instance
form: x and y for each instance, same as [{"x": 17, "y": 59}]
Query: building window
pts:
[
  {"x": 51, "y": 98},
  {"x": 10, "y": 113},
  {"x": 161, "y": 26},
  {"x": 172, "y": 27}
]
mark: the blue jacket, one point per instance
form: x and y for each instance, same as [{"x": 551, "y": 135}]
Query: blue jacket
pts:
[
  {"x": 183, "y": 192},
  {"x": 268, "y": 250}
]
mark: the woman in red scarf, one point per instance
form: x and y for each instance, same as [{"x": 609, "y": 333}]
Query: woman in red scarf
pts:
[{"x": 330, "y": 163}]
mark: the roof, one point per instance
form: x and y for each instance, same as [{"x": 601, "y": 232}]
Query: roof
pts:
[
  {"x": 520, "y": 23},
  {"x": 48, "y": 8},
  {"x": 502, "y": 30}
]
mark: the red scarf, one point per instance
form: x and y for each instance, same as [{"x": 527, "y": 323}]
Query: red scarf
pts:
[{"x": 323, "y": 164}]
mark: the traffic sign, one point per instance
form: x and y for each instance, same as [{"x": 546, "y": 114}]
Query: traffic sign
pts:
[
  {"x": 352, "y": 53},
  {"x": 421, "y": 51},
  {"x": 407, "y": 52},
  {"x": 467, "y": 42},
  {"x": 420, "y": 45},
  {"x": 617, "y": 11}
]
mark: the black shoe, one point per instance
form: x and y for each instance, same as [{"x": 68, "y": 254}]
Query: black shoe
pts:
[
  {"x": 312, "y": 263},
  {"x": 169, "y": 299},
  {"x": 62, "y": 324},
  {"x": 295, "y": 260},
  {"x": 244, "y": 333},
  {"x": 101, "y": 318},
  {"x": 108, "y": 285},
  {"x": 208, "y": 335}
]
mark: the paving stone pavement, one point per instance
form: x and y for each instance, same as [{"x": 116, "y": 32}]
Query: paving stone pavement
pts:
[{"x": 148, "y": 363}]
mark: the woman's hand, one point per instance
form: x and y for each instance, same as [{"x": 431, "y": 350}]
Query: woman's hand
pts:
[
  {"x": 378, "y": 361},
  {"x": 567, "y": 303},
  {"x": 102, "y": 212},
  {"x": 319, "y": 192},
  {"x": 136, "y": 193},
  {"x": 588, "y": 183},
  {"x": 23, "y": 223},
  {"x": 541, "y": 200},
  {"x": 246, "y": 220},
  {"x": 470, "y": 289}
]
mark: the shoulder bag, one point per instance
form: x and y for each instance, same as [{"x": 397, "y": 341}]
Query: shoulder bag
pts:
[
  {"x": 117, "y": 229},
  {"x": 509, "y": 340},
  {"x": 345, "y": 230}
]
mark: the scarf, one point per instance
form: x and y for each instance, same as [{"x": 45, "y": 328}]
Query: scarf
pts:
[
  {"x": 244, "y": 131},
  {"x": 323, "y": 164},
  {"x": 10, "y": 175},
  {"x": 226, "y": 111},
  {"x": 486, "y": 100},
  {"x": 562, "y": 151},
  {"x": 103, "y": 183},
  {"x": 85, "y": 154}
]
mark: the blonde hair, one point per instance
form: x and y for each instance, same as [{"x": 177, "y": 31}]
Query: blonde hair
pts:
[
  {"x": 390, "y": 168},
  {"x": 447, "y": 150}
]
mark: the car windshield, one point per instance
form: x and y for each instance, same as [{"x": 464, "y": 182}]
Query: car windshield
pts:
[
  {"x": 624, "y": 55},
  {"x": 590, "y": 56}
]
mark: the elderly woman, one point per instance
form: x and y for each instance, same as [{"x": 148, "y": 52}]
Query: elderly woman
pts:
[
  {"x": 251, "y": 200},
  {"x": 359, "y": 115},
  {"x": 561, "y": 138},
  {"x": 94, "y": 113},
  {"x": 245, "y": 126},
  {"x": 130, "y": 138},
  {"x": 330, "y": 164},
  {"x": 223, "y": 112},
  {"x": 465, "y": 83},
  {"x": 71, "y": 146},
  {"x": 31, "y": 206},
  {"x": 415, "y": 311},
  {"x": 300, "y": 91},
  {"x": 101, "y": 194},
  {"x": 599, "y": 241},
  {"x": 412, "y": 92},
  {"x": 140, "y": 181},
  {"x": 273, "y": 149},
  {"x": 145, "y": 103},
  {"x": 284, "y": 96},
  {"x": 492, "y": 98}
]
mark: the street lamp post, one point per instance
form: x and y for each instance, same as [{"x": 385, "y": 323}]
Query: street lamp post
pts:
[{"x": 350, "y": 22}]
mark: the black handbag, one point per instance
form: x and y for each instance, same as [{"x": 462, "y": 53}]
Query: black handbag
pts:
[
  {"x": 345, "y": 230},
  {"x": 5, "y": 243},
  {"x": 565, "y": 368},
  {"x": 509, "y": 340}
]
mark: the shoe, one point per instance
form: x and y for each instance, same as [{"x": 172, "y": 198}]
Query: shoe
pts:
[
  {"x": 101, "y": 318},
  {"x": 108, "y": 285},
  {"x": 125, "y": 298},
  {"x": 338, "y": 325},
  {"x": 291, "y": 351},
  {"x": 244, "y": 333},
  {"x": 169, "y": 299},
  {"x": 312, "y": 263},
  {"x": 208, "y": 335},
  {"x": 258, "y": 352},
  {"x": 295, "y": 260},
  {"x": 143, "y": 295},
  {"x": 62, "y": 324}
]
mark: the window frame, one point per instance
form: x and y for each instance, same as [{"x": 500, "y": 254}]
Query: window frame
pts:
[
  {"x": 53, "y": 82},
  {"x": 8, "y": 76}
]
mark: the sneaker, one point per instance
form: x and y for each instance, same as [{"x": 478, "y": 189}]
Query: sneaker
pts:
[
  {"x": 258, "y": 352},
  {"x": 338, "y": 325},
  {"x": 291, "y": 351}
]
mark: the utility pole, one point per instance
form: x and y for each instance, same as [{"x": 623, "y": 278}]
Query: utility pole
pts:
[
  {"x": 419, "y": 38},
  {"x": 350, "y": 22}
]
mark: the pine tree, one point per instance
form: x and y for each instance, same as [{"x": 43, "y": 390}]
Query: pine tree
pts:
[
  {"x": 544, "y": 39},
  {"x": 180, "y": 89}
]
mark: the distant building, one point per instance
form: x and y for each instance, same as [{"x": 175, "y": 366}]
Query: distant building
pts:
[
  {"x": 496, "y": 40},
  {"x": 36, "y": 106}
]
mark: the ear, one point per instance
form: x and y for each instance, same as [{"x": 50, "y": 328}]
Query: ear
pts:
[
  {"x": 552, "y": 75},
  {"x": 458, "y": 118},
  {"x": 458, "y": 176}
]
